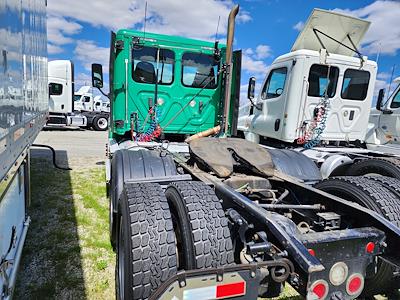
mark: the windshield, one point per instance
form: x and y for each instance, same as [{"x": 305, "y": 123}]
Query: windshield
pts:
[{"x": 77, "y": 97}]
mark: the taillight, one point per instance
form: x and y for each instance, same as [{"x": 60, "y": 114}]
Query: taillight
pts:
[
  {"x": 355, "y": 284},
  {"x": 370, "y": 247},
  {"x": 311, "y": 251},
  {"x": 320, "y": 289},
  {"x": 338, "y": 273}
]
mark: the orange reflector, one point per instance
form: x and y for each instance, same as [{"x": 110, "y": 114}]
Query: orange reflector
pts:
[
  {"x": 370, "y": 247},
  {"x": 231, "y": 289}
]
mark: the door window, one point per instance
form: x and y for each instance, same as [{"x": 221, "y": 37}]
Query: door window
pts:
[
  {"x": 396, "y": 100},
  {"x": 318, "y": 81},
  {"x": 77, "y": 98},
  {"x": 199, "y": 70},
  {"x": 144, "y": 67},
  {"x": 275, "y": 84},
  {"x": 355, "y": 84},
  {"x": 55, "y": 89}
]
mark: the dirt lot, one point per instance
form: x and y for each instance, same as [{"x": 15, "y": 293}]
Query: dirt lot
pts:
[{"x": 67, "y": 253}]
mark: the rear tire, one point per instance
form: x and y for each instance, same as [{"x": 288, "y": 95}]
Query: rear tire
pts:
[
  {"x": 100, "y": 123},
  {"x": 126, "y": 165},
  {"x": 383, "y": 166},
  {"x": 146, "y": 251},
  {"x": 375, "y": 196},
  {"x": 205, "y": 239}
]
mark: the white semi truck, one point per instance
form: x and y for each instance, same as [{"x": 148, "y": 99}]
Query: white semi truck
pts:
[
  {"x": 317, "y": 99},
  {"x": 72, "y": 109},
  {"x": 23, "y": 112},
  {"x": 384, "y": 128}
]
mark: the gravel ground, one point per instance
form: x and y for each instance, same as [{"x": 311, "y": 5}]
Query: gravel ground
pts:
[{"x": 75, "y": 146}]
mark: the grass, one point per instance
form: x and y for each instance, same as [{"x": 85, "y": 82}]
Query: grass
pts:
[{"x": 67, "y": 254}]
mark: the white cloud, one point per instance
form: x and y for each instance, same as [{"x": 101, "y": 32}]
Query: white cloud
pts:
[
  {"x": 82, "y": 79},
  {"x": 253, "y": 66},
  {"x": 384, "y": 33},
  {"x": 299, "y": 26},
  {"x": 53, "y": 49},
  {"x": 263, "y": 51},
  {"x": 253, "y": 60},
  {"x": 194, "y": 18},
  {"x": 87, "y": 52},
  {"x": 59, "y": 32}
]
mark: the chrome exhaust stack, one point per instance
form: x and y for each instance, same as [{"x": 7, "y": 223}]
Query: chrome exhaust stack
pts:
[{"x": 228, "y": 80}]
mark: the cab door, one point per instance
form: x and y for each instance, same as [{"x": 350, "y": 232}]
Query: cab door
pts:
[
  {"x": 389, "y": 120},
  {"x": 269, "y": 121}
]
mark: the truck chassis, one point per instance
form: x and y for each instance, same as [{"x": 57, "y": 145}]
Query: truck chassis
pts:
[{"x": 221, "y": 209}]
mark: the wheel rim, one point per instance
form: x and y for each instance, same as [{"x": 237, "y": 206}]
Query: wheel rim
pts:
[
  {"x": 102, "y": 123},
  {"x": 121, "y": 263}
]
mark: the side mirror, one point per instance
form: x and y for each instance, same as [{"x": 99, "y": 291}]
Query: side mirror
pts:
[
  {"x": 97, "y": 76},
  {"x": 251, "y": 88},
  {"x": 379, "y": 101}
]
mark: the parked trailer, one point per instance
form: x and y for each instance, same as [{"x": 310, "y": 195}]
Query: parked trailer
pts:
[
  {"x": 62, "y": 107},
  {"x": 23, "y": 112},
  {"x": 221, "y": 217}
]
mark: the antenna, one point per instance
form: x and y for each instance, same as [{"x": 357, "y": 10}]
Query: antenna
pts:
[
  {"x": 145, "y": 17},
  {"x": 390, "y": 84},
  {"x": 379, "y": 52},
  {"x": 216, "y": 32}
]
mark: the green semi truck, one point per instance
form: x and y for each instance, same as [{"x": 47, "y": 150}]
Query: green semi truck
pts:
[{"x": 218, "y": 217}]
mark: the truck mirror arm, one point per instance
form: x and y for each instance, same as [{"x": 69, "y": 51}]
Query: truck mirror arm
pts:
[{"x": 104, "y": 94}]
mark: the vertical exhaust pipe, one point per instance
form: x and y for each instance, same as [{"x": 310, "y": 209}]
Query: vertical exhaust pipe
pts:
[{"x": 228, "y": 81}]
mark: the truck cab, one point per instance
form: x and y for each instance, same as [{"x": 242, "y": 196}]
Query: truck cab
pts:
[
  {"x": 83, "y": 99},
  {"x": 70, "y": 108},
  {"x": 384, "y": 129},
  {"x": 174, "y": 84},
  {"x": 318, "y": 91}
]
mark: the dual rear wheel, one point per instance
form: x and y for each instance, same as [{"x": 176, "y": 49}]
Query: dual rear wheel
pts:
[{"x": 161, "y": 232}]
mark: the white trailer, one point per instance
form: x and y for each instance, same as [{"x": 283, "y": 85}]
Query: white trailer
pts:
[
  {"x": 317, "y": 99},
  {"x": 23, "y": 113},
  {"x": 68, "y": 108}
]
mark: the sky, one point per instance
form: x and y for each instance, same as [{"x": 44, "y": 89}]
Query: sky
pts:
[{"x": 265, "y": 29}]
